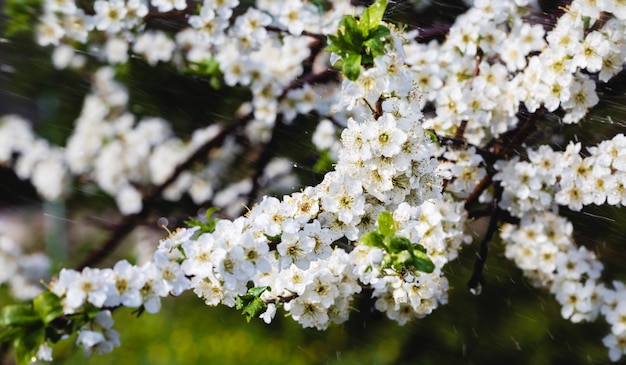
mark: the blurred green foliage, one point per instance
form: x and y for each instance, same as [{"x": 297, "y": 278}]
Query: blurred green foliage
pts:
[{"x": 20, "y": 15}]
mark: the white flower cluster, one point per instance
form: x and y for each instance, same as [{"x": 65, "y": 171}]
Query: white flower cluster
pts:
[
  {"x": 293, "y": 245},
  {"x": 543, "y": 247},
  {"x": 22, "y": 272},
  {"x": 475, "y": 81},
  {"x": 490, "y": 63},
  {"x": 438, "y": 226},
  {"x": 123, "y": 285},
  {"x": 110, "y": 148},
  {"x": 262, "y": 48},
  {"x": 382, "y": 163},
  {"x": 554, "y": 78},
  {"x": 98, "y": 335},
  {"x": 32, "y": 157},
  {"x": 124, "y": 156},
  {"x": 564, "y": 178},
  {"x": 463, "y": 168},
  {"x": 121, "y": 155}
]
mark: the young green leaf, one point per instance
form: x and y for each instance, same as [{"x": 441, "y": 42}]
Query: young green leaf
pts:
[
  {"x": 433, "y": 136},
  {"x": 373, "y": 239},
  {"x": 324, "y": 163},
  {"x": 422, "y": 262},
  {"x": 419, "y": 247},
  {"x": 18, "y": 315},
  {"x": 257, "y": 291},
  {"x": 207, "y": 227},
  {"x": 48, "y": 306},
  {"x": 376, "y": 47},
  {"x": 352, "y": 36},
  {"x": 380, "y": 32},
  {"x": 405, "y": 258},
  {"x": 251, "y": 304},
  {"x": 372, "y": 16},
  {"x": 352, "y": 66},
  {"x": 211, "y": 222},
  {"x": 376, "y": 41},
  {"x": 397, "y": 243},
  {"x": 11, "y": 333},
  {"x": 26, "y": 346},
  {"x": 386, "y": 225},
  {"x": 254, "y": 308},
  {"x": 337, "y": 44},
  {"x": 273, "y": 239}
]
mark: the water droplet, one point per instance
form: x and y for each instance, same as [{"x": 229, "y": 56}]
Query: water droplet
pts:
[
  {"x": 295, "y": 165},
  {"x": 163, "y": 221},
  {"x": 477, "y": 289}
]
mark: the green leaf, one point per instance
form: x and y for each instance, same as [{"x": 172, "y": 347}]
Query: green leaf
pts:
[
  {"x": 396, "y": 263},
  {"x": 433, "y": 136},
  {"x": 372, "y": 16},
  {"x": 48, "y": 306},
  {"x": 404, "y": 258},
  {"x": 209, "y": 226},
  {"x": 419, "y": 247},
  {"x": 337, "y": 44},
  {"x": 386, "y": 225},
  {"x": 353, "y": 36},
  {"x": 376, "y": 42},
  {"x": 11, "y": 333},
  {"x": 250, "y": 304},
  {"x": 422, "y": 262},
  {"x": 380, "y": 32},
  {"x": 376, "y": 47},
  {"x": 274, "y": 239},
  {"x": 388, "y": 259},
  {"x": 373, "y": 239},
  {"x": 397, "y": 243},
  {"x": 26, "y": 346},
  {"x": 211, "y": 222},
  {"x": 357, "y": 43},
  {"x": 254, "y": 309},
  {"x": 352, "y": 66},
  {"x": 18, "y": 315},
  {"x": 257, "y": 291},
  {"x": 215, "y": 82},
  {"x": 208, "y": 67}
]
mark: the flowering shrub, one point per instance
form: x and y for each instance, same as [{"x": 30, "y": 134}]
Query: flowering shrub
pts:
[{"x": 415, "y": 139}]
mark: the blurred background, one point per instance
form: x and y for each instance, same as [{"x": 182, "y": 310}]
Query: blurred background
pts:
[{"x": 510, "y": 322}]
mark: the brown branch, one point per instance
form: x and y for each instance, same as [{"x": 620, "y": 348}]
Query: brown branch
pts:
[
  {"x": 460, "y": 131},
  {"x": 281, "y": 299},
  {"x": 317, "y": 36},
  {"x": 502, "y": 147}
]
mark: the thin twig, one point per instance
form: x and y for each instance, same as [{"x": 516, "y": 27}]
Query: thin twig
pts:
[
  {"x": 502, "y": 147},
  {"x": 477, "y": 280}
]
